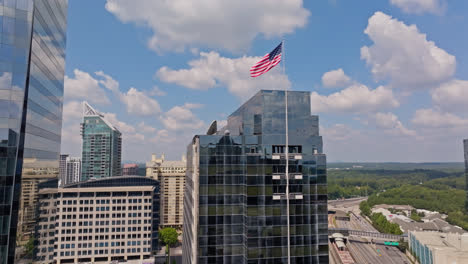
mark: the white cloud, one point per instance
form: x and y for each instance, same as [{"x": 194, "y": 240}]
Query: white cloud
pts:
[
  {"x": 193, "y": 105},
  {"x": 436, "y": 119},
  {"x": 211, "y": 70},
  {"x": 420, "y": 6},
  {"x": 120, "y": 125},
  {"x": 404, "y": 56},
  {"x": 156, "y": 91},
  {"x": 84, "y": 86},
  {"x": 180, "y": 118},
  {"x": 230, "y": 25},
  {"x": 163, "y": 136},
  {"x": 451, "y": 96},
  {"x": 145, "y": 128},
  {"x": 390, "y": 123},
  {"x": 72, "y": 111},
  {"x": 139, "y": 103},
  {"x": 108, "y": 81},
  {"x": 357, "y": 98},
  {"x": 338, "y": 132},
  {"x": 335, "y": 78}
]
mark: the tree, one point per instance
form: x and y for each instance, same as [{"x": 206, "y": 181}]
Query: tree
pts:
[
  {"x": 29, "y": 247},
  {"x": 168, "y": 236}
]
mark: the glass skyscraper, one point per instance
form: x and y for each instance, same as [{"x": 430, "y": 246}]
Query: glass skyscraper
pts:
[
  {"x": 32, "y": 65},
  {"x": 102, "y": 146},
  {"x": 235, "y": 203}
]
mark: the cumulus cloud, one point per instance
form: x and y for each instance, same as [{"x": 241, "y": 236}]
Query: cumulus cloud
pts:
[
  {"x": 338, "y": 132},
  {"x": 230, "y": 25},
  {"x": 180, "y": 117},
  {"x": 139, "y": 103},
  {"x": 146, "y": 128},
  {"x": 390, "y": 123},
  {"x": 335, "y": 78},
  {"x": 84, "y": 86},
  {"x": 451, "y": 96},
  {"x": 404, "y": 56},
  {"x": 212, "y": 70},
  {"x": 436, "y": 119},
  {"x": 420, "y": 6},
  {"x": 357, "y": 98},
  {"x": 156, "y": 91},
  {"x": 72, "y": 111}
]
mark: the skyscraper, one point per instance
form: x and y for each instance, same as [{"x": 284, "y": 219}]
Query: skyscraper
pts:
[
  {"x": 238, "y": 191},
  {"x": 102, "y": 146},
  {"x": 171, "y": 175},
  {"x": 32, "y": 64},
  {"x": 465, "y": 148},
  {"x": 73, "y": 171},
  {"x": 63, "y": 168}
]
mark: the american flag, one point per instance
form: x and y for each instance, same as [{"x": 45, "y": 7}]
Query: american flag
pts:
[{"x": 267, "y": 62}]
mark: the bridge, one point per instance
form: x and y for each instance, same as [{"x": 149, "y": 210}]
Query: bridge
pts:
[{"x": 367, "y": 234}]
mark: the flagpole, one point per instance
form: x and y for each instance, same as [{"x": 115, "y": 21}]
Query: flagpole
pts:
[{"x": 286, "y": 151}]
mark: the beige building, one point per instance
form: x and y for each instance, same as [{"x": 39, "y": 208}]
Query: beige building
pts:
[
  {"x": 28, "y": 201},
  {"x": 171, "y": 175},
  {"x": 103, "y": 220}
]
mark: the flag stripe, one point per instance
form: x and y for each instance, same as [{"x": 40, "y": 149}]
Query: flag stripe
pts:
[{"x": 267, "y": 62}]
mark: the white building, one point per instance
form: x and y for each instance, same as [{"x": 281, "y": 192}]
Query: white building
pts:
[
  {"x": 73, "y": 170},
  {"x": 439, "y": 248}
]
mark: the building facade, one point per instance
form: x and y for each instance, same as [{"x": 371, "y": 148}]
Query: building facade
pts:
[
  {"x": 236, "y": 202},
  {"x": 102, "y": 146},
  {"x": 439, "y": 248},
  {"x": 73, "y": 172},
  {"x": 130, "y": 169},
  {"x": 171, "y": 175},
  {"x": 32, "y": 64},
  {"x": 63, "y": 167},
  {"x": 465, "y": 150},
  {"x": 98, "y": 221}
]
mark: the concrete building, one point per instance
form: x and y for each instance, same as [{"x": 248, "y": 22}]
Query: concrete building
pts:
[
  {"x": 252, "y": 196},
  {"x": 130, "y": 169},
  {"x": 31, "y": 96},
  {"x": 63, "y": 168},
  {"x": 100, "y": 220},
  {"x": 465, "y": 149},
  {"x": 102, "y": 146},
  {"x": 73, "y": 170},
  {"x": 439, "y": 248},
  {"x": 171, "y": 174}
]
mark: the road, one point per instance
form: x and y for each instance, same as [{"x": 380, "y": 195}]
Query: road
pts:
[{"x": 362, "y": 251}]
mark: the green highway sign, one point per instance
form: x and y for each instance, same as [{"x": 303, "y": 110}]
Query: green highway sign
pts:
[{"x": 391, "y": 243}]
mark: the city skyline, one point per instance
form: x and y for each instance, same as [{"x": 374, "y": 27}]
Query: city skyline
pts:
[{"x": 156, "y": 79}]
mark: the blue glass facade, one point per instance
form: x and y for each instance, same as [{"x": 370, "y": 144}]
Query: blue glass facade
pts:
[
  {"x": 420, "y": 250},
  {"x": 32, "y": 63},
  {"x": 235, "y": 208},
  {"x": 102, "y": 147}
]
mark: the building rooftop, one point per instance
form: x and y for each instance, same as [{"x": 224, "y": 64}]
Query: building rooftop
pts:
[
  {"x": 456, "y": 242},
  {"x": 131, "y": 165}
]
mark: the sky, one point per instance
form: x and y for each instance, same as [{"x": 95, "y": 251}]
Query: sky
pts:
[{"x": 388, "y": 78}]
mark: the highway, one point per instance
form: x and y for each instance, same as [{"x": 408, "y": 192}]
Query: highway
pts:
[{"x": 362, "y": 251}]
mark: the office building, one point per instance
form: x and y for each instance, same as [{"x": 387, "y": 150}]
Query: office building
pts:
[
  {"x": 130, "y": 169},
  {"x": 63, "y": 167},
  {"x": 32, "y": 64},
  {"x": 171, "y": 174},
  {"x": 99, "y": 220},
  {"x": 465, "y": 148},
  {"x": 102, "y": 146},
  {"x": 240, "y": 182},
  {"x": 439, "y": 248}
]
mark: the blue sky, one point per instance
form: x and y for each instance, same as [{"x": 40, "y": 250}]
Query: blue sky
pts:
[{"x": 388, "y": 77}]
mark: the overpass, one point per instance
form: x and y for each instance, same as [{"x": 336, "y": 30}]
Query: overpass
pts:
[{"x": 367, "y": 234}]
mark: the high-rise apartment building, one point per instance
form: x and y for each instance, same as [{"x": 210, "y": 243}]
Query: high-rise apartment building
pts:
[
  {"x": 32, "y": 65},
  {"x": 102, "y": 146},
  {"x": 465, "y": 148},
  {"x": 63, "y": 167},
  {"x": 171, "y": 175},
  {"x": 241, "y": 181},
  {"x": 130, "y": 169},
  {"x": 98, "y": 221},
  {"x": 73, "y": 173}
]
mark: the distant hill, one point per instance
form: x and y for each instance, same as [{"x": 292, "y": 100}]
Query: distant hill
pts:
[{"x": 397, "y": 165}]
